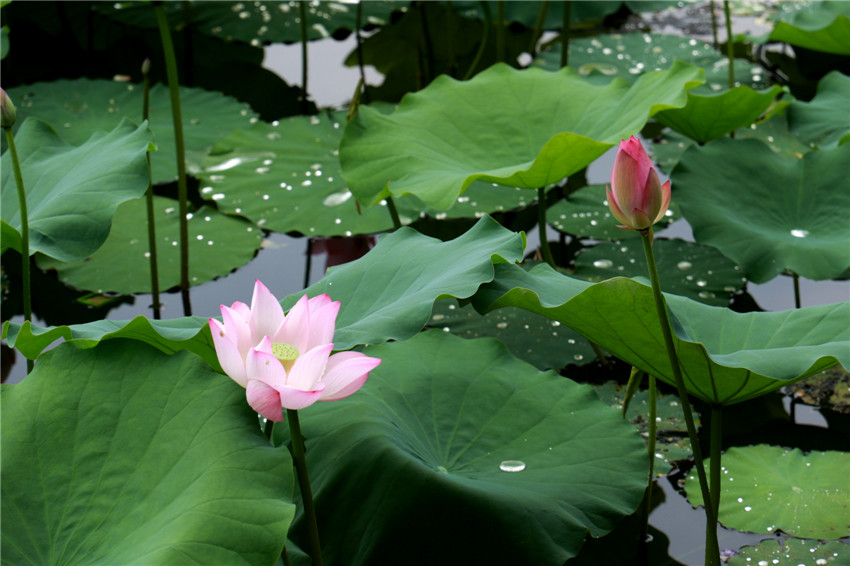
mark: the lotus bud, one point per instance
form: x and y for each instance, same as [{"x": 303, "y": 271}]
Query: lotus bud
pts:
[
  {"x": 8, "y": 110},
  {"x": 636, "y": 196}
]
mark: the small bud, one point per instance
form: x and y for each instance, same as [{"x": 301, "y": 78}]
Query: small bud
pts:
[
  {"x": 146, "y": 66},
  {"x": 8, "y": 110}
]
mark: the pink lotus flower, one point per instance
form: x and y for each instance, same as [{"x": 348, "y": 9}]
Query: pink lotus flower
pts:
[
  {"x": 636, "y": 197},
  {"x": 285, "y": 361}
]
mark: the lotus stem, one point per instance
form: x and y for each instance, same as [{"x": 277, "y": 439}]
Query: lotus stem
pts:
[
  {"x": 500, "y": 31},
  {"x": 712, "y": 550},
  {"x": 711, "y": 7},
  {"x": 714, "y": 460},
  {"x": 303, "y": 11},
  {"x": 538, "y": 27},
  {"x": 300, "y": 460},
  {"x": 157, "y": 314},
  {"x": 429, "y": 69},
  {"x": 797, "y": 302},
  {"x": 565, "y": 34},
  {"x": 730, "y": 47},
  {"x": 541, "y": 227},
  {"x": 308, "y": 264},
  {"x": 653, "y": 431},
  {"x": 393, "y": 212},
  {"x": 488, "y": 22},
  {"x": 360, "y": 63},
  {"x": 176, "y": 114},
  {"x": 25, "y": 230}
]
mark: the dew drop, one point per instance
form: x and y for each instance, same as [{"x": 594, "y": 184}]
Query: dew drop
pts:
[
  {"x": 798, "y": 233},
  {"x": 512, "y": 466},
  {"x": 603, "y": 263},
  {"x": 578, "y": 357},
  {"x": 501, "y": 325},
  {"x": 684, "y": 265}
]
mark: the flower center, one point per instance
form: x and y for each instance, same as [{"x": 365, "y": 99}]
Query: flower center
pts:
[{"x": 286, "y": 353}]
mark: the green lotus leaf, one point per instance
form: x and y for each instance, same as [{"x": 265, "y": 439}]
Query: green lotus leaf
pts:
[
  {"x": 82, "y": 106},
  {"x": 535, "y": 339},
  {"x": 726, "y": 357},
  {"x": 168, "y": 335},
  {"x": 585, "y": 213},
  {"x": 766, "y": 213},
  {"x": 824, "y": 120},
  {"x": 72, "y": 192},
  {"x": 218, "y": 244},
  {"x": 123, "y": 455},
  {"x": 792, "y": 552},
  {"x": 389, "y": 293},
  {"x": 442, "y": 138},
  {"x": 710, "y": 116},
  {"x": 628, "y": 56},
  {"x": 257, "y": 23},
  {"x": 481, "y": 445},
  {"x": 821, "y": 26},
  {"x": 671, "y": 436},
  {"x": 286, "y": 177},
  {"x": 685, "y": 268},
  {"x": 767, "y": 488}
]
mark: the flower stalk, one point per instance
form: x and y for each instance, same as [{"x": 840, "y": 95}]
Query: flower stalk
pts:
[
  {"x": 299, "y": 457},
  {"x": 157, "y": 314}
]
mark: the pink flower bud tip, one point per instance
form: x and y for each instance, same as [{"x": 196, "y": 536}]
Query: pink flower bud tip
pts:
[{"x": 636, "y": 196}]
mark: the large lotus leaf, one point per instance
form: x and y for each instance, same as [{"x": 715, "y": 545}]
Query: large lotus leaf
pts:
[
  {"x": 168, "y": 335},
  {"x": 821, "y": 26},
  {"x": 671, "y": 436},
  {"x": 710, "y": 116},
  {"x": 764, "y": 489},
  {"x": 83, "y": 106},
  {"x": 685, "y": 268},
  {"x": 726, "y": 357},
  {"x": 257, "y": 23},
  {"x": 453, "y": 444},
  {"x": 218, "y": 244},
  {"x": 286, "y": 177},
  {"x": 793, "y": 552},
  {"x": 389, "y": 293},
  {"x": 123, "y": 455},
  {"x": 585, "y": 213},
  {"x": 536, "y": 128},
  {"x": 825, "y": 120},
  {"x": 629, "y": 56},
  {"x": 72, "y": 192},
  {"x": 765, "y": 213},
  {"x": 533, "y": 338}
]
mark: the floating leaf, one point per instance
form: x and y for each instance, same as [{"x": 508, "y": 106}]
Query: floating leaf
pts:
[
  {"x": 585, "y": 213},
  {"x": 120, "y": 454},
  {"x": 480, "y": 445},
  {"x": 672, "y": 442},
  {"x": 389, "y": 292},
  {"x": 824, "y": 120},
  {"x": 792, "y": 552},
  {"x": 710, "y": 116},
  {"x": 286, "y": 177},
  {"x": 72, "y": 192},
  {"x": 218, "y": 244},
  {"x": 685, "y": 268},
  {"x": 442, "y": 138},
  {"x": 768, "y": 488},
  {"x": 792, "y": 215},
  {"x": 829, "y": 388},
  {"x": 530, "y": 337},
  {"x": 628, "y": 56},
  {"x": 80, "y": 107},
  {"x": 258, "y": 23},
  {"x": 726, "y": 357},
  {"x": 821, "y": 26}
]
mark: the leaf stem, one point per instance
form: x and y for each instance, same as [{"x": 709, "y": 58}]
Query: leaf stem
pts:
[
  {"x": 653, "y": 430},
  {"x": 360, "y": 63},
  {"x": 176, "y": 114},
  {"x": 303, "y": 11},
  {"x": 714, "y": 459},
  {"x": 538, "y": 27},
  {"x": 393, "y": 212},
  {"x": 488, "y": 22},
  {"x": 25, "y": 230},
  {"x": 545, "y": 251},
  {"x": 797, "y": 302},
  {"x": 730, "y": 47},
  {"x": 500, "y": 31},
  {"x": 712, "y": 552},
  {"x": 565, "y": 34},
  {"x": 300, "y": 460},
  {"x": 157, "y": 313}
]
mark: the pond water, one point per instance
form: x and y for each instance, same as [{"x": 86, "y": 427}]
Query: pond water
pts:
[{"x": 283, "y": 260}]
